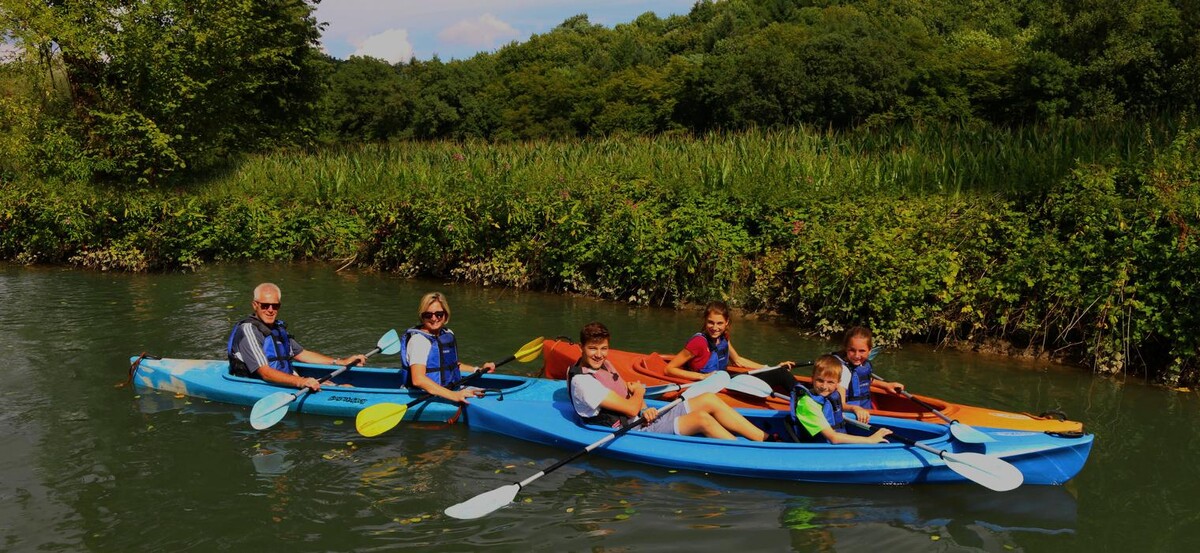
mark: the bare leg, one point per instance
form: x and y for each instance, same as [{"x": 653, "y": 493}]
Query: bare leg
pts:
[
  {"x": 697, "y": 422},
  {"x": 729, "y": 419}
]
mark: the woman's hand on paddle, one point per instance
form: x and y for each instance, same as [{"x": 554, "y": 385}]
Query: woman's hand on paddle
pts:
[
  {"x": 896, "y": 387},
  {"x": 880, "y": 435},
  {"x": 463, "y": 395},
  {"x": 488, "y": 367},
  {"x": 787, "y": 364},
  {"x": 649, "y": 414}
]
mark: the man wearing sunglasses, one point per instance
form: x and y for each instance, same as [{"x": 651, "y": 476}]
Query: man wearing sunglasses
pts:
[{"x": 261, "y": 347}]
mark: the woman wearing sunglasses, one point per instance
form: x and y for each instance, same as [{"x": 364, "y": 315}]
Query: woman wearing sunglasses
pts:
[{"x": 430, "y": 354}]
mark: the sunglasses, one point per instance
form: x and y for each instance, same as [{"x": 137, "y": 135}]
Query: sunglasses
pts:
[
  {"x": 266, "y": 306},
  {"x": 430, "y": 315}
]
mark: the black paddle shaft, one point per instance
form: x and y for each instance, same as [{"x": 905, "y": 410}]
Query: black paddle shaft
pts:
[
  {"x": 616, "y": 434},
  {"x": 346, "y": 367},
  {"x": 456, "y": 385}
]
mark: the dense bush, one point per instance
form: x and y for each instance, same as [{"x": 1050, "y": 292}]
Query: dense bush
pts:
[{"x": 1100, "y": 268}]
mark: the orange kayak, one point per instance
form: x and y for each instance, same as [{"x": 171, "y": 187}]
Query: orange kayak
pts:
[{"x": 649, "y": 369}]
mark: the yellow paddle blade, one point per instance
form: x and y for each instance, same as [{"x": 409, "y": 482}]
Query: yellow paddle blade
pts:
[
  {"x": 379, "y": 418},
  {"x": 530, "y": 351}
]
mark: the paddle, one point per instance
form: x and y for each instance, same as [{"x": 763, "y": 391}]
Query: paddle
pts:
[
  {"x": 487, "y": 502},
  {"x": 271, "y": 409},
  {"x": 743, "y": 383},
  {"x": 381, "y": 417},
  {"x": 870, "y": 356},
  {"x": 960, "y": 430},
  {"x": 990, "y": 472}
]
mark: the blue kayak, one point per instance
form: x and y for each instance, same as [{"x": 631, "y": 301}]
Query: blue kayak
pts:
[
  {"x": 1041, "y": 457},
  {"x": 210, "y": 379}
]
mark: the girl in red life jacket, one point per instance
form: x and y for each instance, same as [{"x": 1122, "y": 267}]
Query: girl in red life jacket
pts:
[{"x": 710, "y": 350}]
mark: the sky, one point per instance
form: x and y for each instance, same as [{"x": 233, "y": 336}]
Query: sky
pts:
[{"x": 398, "y": 30}]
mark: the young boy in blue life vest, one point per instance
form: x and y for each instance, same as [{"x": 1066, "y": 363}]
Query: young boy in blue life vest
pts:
[
  {"x": 600, "y": 396},
  {"x": 856, "y": 368},
  {"x": 818, "y": 411}
]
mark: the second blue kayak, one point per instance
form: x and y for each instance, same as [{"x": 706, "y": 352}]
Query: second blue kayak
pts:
[
  {"x": 1041, "y": 457},
  {"x": 210, "y": 379}
]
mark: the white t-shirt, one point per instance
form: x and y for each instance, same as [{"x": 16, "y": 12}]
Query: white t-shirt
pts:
[
  {"x": 845, "y": 382},
  {"x": 418, "y": 350},
  {"x": 586, "y": 395}
]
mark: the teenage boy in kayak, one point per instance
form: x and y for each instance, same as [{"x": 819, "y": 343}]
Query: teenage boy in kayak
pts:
[
  {"x": 261, "y": 347},
  {"x": 600, "y": 396},
  {"x": 817, "y": 412},
  {"x": 856, "y": 375}
]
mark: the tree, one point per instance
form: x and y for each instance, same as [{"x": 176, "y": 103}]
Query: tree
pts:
[{"x": 156, "y": 86}]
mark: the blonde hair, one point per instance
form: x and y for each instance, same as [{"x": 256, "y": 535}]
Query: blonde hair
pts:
[
  {"x": 827, "y": 366},
  {"x": 261, "y": 288},
  {"x": 428, "y": 300}
]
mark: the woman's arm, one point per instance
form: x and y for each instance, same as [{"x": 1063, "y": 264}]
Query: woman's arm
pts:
[
  {"x": 739, "y": 361},
  {"x": 675, "y": 367},
  {"x": 422, "y": 381}
]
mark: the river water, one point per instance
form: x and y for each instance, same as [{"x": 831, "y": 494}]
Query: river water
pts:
[{"x": 87, "y": 464}]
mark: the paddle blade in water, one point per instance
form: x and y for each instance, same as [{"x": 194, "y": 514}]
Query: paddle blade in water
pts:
[
  {"x": 990, "y": 472},
  {"x": 750, "y": 385},
  {"x": 484, "y": 503},
  {"x": 379, "y": 418},
  {"x": 270, "y": 410},
  {"x": 968, "y": 434},
  {"x": 389, "y": 343}
]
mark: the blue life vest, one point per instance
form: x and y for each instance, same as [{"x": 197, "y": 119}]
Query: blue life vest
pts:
[
  {"x": 718, "y": 355},
  {"x": 442, "y": 364},
  {"x": 276, "y": 343},
  {"x": 858, "y": 392},
  {"x": 831, "y": 407}
]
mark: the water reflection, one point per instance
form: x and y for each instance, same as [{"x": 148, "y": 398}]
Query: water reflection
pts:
[{"x": 88, "y": 466}]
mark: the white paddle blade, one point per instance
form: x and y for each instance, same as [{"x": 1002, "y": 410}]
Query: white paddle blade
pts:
[
  {"x": 990, "y": 472},
  {"x": 713, "y": 384},
  {"x": 389, "y": 343},
  {"x": 750, "y": 385},
  {"x": 270, "y": 410},
  {"x": 968, "y": 434},
  {"x": 484, "y": 503},
  {"x": 660, "y": 390}
]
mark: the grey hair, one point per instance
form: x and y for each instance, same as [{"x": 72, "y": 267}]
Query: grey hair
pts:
[{"x": 258, "y": 290}]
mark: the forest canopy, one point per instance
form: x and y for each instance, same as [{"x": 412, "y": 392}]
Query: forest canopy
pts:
[{"x": 144, "y": 91}]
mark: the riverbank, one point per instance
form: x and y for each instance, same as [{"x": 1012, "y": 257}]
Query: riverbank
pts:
[{"x": 1063, "y": 243}]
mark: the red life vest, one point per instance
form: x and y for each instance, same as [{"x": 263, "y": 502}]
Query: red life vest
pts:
[{"x": 611, "y": 379}]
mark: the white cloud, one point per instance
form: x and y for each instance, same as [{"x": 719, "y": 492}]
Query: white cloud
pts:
[
  {"x": 9, "y": 51},
  {"x": 484, "y": 32},
  {"x": 454, "y": 29},
  {"x": 391, "y": 45}
]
